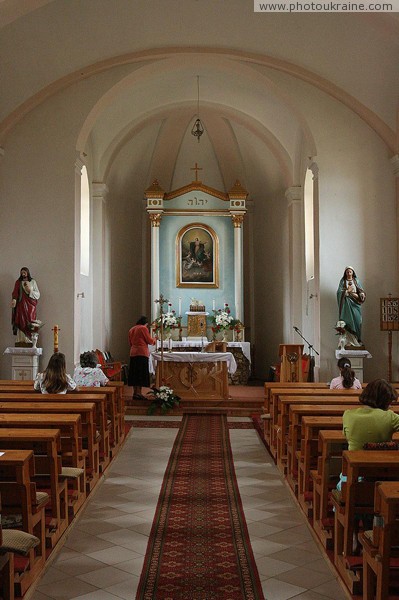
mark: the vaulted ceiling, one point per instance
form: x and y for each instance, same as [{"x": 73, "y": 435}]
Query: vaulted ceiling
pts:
[{"x": 144, "y": 57}]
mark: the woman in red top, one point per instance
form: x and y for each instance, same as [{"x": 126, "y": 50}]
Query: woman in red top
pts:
[{"x": 139, "y": 375}]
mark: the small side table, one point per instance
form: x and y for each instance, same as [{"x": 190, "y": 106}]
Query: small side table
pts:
[{"x": 24, "y": 362}]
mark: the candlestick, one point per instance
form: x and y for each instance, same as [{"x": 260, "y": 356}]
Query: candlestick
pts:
[
  {"x": 179, "y": 307},
  {"x": 55, "y": 330}
]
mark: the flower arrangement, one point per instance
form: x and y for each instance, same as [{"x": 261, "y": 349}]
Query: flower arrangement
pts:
[
  {"x": 222, "y": 320},
  {"x": 163, "y": 398},
  {"x": 169, "y": 320}
]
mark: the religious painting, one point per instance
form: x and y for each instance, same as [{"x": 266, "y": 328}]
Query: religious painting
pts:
[{"x": 197, "y": 257}]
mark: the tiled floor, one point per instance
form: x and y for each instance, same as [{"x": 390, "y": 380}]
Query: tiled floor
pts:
[{"x": 103, "y": 555}]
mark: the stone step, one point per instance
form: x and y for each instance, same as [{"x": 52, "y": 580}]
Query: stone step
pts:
[{"x": 233, "y": 411}]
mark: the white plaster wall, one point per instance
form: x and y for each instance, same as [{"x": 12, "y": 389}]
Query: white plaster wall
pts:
[
  {"x": 357, "y": 221},
  {"x": 126, "y": 262},
  {"x": 37, "y": 182},
  {"x": 37, "y": 202}
]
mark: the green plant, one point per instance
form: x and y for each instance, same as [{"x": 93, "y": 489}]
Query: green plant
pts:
[{"x": 163, "y": 398}]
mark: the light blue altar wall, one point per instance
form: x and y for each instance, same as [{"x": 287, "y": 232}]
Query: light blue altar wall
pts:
[{"x": 168, "y": 234}]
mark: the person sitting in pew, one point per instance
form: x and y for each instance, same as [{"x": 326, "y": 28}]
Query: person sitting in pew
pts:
[
  {"x": 372, "y": 422},
  {"x": 89, "y": 374},
  {"x": 55, "y": 379},
  {"x": 347, "y": 379}
]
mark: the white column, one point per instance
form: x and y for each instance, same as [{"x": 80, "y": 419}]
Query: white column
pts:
[
  {"x": 99, "y": 195},
  {"x": 294, "y": 197},
  {"x": 155, "y": 223},
  {"x": 238, "y": 267},
  {"x": 76, "y": 337},
  {"x": 249, "y": 312},
  {"x": 395, "y": 167}
]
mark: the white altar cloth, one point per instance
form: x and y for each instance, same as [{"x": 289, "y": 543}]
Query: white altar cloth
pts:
[
  {"x": 194, "y": 357},
  {"x": 187, "y": 343}
]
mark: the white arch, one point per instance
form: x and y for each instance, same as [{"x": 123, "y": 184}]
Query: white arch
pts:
[{"x": 372, "y": 119}]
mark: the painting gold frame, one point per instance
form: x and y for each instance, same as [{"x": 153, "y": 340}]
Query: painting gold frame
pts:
[{"x": 198, "y": 276}]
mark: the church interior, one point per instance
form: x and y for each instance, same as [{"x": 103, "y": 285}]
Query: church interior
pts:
[{"x": 198, "y": 159}]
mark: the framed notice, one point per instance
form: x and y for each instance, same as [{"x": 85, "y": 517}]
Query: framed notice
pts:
[
  {"x": 389, "y": 312},
  {"x": 197, "y": 257}
]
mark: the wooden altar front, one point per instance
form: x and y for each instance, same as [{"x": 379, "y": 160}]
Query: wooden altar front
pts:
[
  {"x": 240, "y": 350},
  {"x": 195, "y": 375}
]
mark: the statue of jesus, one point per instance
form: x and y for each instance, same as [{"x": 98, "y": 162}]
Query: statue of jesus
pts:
[{"x": 24, "y": 300}]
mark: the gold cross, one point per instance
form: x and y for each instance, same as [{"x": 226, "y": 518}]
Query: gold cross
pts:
[
  {"x": 161, "y": 301},
  {"x": 196, "y": 169}
]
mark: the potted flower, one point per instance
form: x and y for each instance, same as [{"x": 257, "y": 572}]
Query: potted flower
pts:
[
  {"x": 163, "y": 398},
  {"x": 221, "y": 321},
  {"x": 169, "y": 320}
]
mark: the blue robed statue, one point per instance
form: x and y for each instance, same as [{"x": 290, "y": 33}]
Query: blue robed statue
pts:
[{"x": 350, "y": 297}]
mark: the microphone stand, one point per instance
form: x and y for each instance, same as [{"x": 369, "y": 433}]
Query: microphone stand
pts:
[{"x": 311, "y": 349}]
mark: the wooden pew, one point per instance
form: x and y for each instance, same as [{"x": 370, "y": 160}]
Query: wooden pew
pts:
[
  {"x": 357, "y": 497},
  {"x": 87, "y": 412},
  {"x": 323, "y": 395},
  {"x": 286, "y": 385},
  {"x": 380, "y": 546},
  {"x": 70, "y": 426},
  {"x": 296, "y": 413},
  {"x": 270, "y": 407},
  {"x": 311, "y": 450},
  {"x": 277, "y": 393},
  {"x": 45, "y": 443},
  {"x": 285, "y": 421},
  {"x": 27, "y": 394},
  {"x": 325, "y": 478},
  {"x": 113, "y": 416},
  {"x": 7, "y": 576},
  {"x": 119, "y": 386},
  {"x": 115, "y": 404},
  {"x": 307, "y": 456},
  {"x": 108, "y": 396},
  {"x": 18, "y": 496},
  {"x": 6, "y": 571}
]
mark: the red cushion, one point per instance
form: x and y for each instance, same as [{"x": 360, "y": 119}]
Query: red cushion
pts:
[{"x": 100, "y": 358}]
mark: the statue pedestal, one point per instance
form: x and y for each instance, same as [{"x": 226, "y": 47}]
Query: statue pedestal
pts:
[
  {"x": 24, "y": 362},
  {"x": 356, "y": 357}
]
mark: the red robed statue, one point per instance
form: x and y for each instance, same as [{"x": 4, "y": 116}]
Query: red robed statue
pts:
[{"x": 24, "y": 300}]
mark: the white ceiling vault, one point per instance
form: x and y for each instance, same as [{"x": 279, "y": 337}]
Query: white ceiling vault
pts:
[{"x": 147, "y": 55}]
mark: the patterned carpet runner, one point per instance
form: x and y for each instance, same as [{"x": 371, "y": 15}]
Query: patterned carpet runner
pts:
[
  {"x": 176, "y": 424},
  {"x": 199, "y": 546}
]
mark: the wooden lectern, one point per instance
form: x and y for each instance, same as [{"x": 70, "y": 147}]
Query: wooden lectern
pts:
[{"x": 291, "y": 362}]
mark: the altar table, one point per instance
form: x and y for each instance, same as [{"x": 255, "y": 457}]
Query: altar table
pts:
[
  {"x": 194, "y": 375},
  {"x": 240, "y": 350}
]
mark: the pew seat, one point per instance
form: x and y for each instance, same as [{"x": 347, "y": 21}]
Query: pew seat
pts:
[{"x": 381, "y": 545}]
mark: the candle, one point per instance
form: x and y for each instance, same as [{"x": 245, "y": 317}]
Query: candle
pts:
[
  {"x": 214, "y": 304},
  {"x": 179, "y": 307},
  {"x": 56, "y": 330}
]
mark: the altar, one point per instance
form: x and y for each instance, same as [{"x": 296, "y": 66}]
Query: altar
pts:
[
  {"x": 194, "y": 375},
  {"x": 240, "y": 350}
]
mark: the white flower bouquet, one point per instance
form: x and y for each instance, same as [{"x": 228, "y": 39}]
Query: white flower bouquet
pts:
[
  {"x": 163, "y": 398},
  {"x": 222, "y": 320},
  {"x": 169, "y": 320}
]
